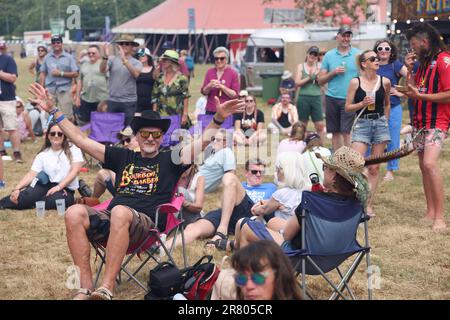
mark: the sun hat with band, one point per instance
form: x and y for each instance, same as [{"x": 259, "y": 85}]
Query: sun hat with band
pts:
[
  {"x": 349, "y": 164},
  {"x": 172, "y": 56},
  {"x": 127, "y": 38},
  {"x": 149, "y": 118}
]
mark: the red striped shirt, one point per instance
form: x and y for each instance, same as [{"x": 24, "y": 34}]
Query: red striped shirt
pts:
[{"x": 433, "y": 79}]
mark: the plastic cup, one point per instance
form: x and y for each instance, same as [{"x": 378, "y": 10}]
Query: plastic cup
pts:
[
  {"x": 371, "y": 107},
  {"x": 40, "y": 209},
  {"x": 61, "y": 206},
  {"x": 343, "y": 65}
]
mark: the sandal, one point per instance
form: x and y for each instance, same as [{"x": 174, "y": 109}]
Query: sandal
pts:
[
  {"x": 101, "y": 293},
  {"x": 223, "y": 243},
  {"x": 83, "y": 291}
]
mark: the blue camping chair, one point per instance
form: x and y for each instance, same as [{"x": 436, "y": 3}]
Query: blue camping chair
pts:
[{"x": 328, "y": 236}]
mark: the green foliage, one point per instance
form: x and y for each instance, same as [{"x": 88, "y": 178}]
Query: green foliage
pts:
[{"x": 18, "y": 16}]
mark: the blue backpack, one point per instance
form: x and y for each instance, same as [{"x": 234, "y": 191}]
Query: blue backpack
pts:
[{"x": 189, "y": 62}]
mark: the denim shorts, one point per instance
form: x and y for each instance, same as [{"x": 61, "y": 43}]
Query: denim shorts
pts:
[{"x": 371, "y": 131}]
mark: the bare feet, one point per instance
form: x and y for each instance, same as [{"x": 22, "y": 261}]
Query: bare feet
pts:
[
  {"x": 370, "y": 212},
  {"x": 439, "y": 225},
  {"x": 389, "y": 176}
]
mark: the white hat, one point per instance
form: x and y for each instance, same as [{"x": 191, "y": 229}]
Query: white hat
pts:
[
  {"x": 286, "y": 75},
  {"x": 243, "y": 93},
  {"x": 18, "y": 99}
]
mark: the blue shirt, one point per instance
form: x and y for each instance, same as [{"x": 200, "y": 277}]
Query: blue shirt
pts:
[
  {"x": 64, "y": 62},
  {"x": 8, "y": 89},
  {"x": 338, "y": 86},
  {"x": 215, "y": 167},
  {"x": 261, "y": 192},
  {"x": 392, "y": 72}
]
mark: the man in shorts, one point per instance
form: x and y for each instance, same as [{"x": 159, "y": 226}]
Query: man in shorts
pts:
[
  {"x": 144, "y": 180},
  {"x": 8, "y": 116},
  {"x": 57, "y": 72},
  {"x": 429, "y": 88},
  {"x": 338, "y": 68}
]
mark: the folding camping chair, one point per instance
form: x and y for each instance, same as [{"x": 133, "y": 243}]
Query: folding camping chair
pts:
[
  {"x": 152, "y": 245},
  {"x": 328, "y": 231},
  {"x": 103, "y": 128},
  {"x": 175, "y": 123}
]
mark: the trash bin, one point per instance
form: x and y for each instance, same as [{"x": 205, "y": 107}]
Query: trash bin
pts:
[{"x": 270, "y": 84}]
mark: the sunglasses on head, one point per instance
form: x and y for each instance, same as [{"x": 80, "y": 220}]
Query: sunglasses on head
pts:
[
  {"x": 219, "y": 58},
  {"x": 387, "y": 49},
  {"x": 257, "y": 278},
  {"x": 255, "y": 172},
  {"x": 155, "y": 134},
  {"x": 56, "y": 133},
  {"x": 372, "y": 59}
]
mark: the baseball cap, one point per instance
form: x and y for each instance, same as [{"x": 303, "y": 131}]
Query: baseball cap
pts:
[
  {"x": 313, "y": 49},
  {"x": 143, "y": 51},
  {"x": 243, "y": 93},
  {"x": 56, "y": 38},
  {"x": 343, "y": 30},
  {"x": 2, "y": 44}
]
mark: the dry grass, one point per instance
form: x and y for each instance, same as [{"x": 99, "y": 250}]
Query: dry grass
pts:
[{"x": 414, "y": 261}]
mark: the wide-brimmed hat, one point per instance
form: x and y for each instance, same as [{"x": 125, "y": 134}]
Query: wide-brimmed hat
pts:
[
  {"x": 286, "y": 75},
  {"x": 149, "y": 118},
  {"x": 127, "y": 38},
  {"x": 172, "y": 56},
  {"x": 127, "y": 132},
  {"x": 347, "y": 163}
]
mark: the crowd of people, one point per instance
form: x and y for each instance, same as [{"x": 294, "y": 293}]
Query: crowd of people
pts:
[{"x": 362, "y": 112}]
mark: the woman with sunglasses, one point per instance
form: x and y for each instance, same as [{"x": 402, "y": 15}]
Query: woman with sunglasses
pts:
[
  {"x": 369, "y": 96},
  {"x": 392, "y": 69},
  {"x": 249, "y": 125},
  {"x": 145, "y": 81},
  {"x": 264, "y": 272},
  {"x": 53, "y": 175},
  {"x": 171, "y": 89},
  {"x": 309, "y": 102},
  {"x": 220, "y": 81},
  {"x": 35, "y": 66}
]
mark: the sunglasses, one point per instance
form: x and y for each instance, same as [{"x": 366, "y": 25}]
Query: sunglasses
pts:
[
  {"x": 387, "y": 49},
  {"x": 315, "y": 54},
  {"x": 257, "y": 278},
  {"x": 91, "y": 53},
  {"x": 255, "y": 172},
  {"x": 56, "y": 134},
  {"x": 372, "y": 59},
  {"x": 125, "y": 43},
  {"x": 56, "y": 42},
  {"x": 250, "y": 100},
  {"x": 155, "y": 134},
  {"x": 219, "y": 58}
]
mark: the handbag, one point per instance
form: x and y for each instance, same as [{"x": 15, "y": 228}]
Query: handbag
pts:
[
  {"x": 225, "y": 287},
  {"x": 200, "y": 279},
  {"x": 165, "y": 281}
]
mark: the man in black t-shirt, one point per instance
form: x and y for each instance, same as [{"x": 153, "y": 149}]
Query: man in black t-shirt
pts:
[{"x": 143, "y": 181}]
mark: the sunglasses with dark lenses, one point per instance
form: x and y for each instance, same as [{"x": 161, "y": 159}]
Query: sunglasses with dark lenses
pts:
[
  {"x": 155, "y": 134},
  {"x": 219, "y": 58},
  {"x": 56, "y": 133},
  {"x": 315, "y": 54},
  {"x": 257, "y": 278},
  {"x": 372, "y": 59},
  {"x": 125, "y": 43},
  {"x": 91, "y": 53},
  {"x": 387, "y": 49},
  {"x": 255, "y": 172}
]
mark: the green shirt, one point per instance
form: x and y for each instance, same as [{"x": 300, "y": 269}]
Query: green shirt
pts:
[
  {"x": 311, "y": 88},
  {"x": 95, "y": 84}
]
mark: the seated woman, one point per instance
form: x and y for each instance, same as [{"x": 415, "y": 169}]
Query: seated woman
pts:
[
  {"x": 314, "y": 164},
  {"x": 343, "y": 180},
  {"x": 192, "y": 186},
  {"x": 249, "y": 125},
  {"x": 56, "y": 166},
  {"x": 295, "y": 142},
  {"x": 25, "y": 127},
  {"x": 270, "y": 271},
  {"x": 291, "y": 180},
  {"x": 284, "y": 115}
]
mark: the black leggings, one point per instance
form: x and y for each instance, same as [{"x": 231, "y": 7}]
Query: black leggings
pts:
[{"x": 29, "y": 196}]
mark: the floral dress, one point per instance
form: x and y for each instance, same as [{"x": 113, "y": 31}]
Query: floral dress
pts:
[{"x": 170, "y": 98}]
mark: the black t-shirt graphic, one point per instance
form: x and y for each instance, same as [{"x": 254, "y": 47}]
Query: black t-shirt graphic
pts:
[{"x": 143, "y": 183}]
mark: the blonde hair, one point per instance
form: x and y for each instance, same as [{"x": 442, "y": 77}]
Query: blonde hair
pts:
[{"x": 293, "y": 169}]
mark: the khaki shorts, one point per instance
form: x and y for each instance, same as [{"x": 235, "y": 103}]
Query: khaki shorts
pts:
[
  {"x": 99, "y": 224},
  {"x": 8, "y": 117},
  {"x": 64, "y": 102}
]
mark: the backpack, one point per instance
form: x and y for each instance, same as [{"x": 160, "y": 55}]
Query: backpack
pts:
[
  {"x": 200, "y": 278},
  {"x": 189, "y": 62}
]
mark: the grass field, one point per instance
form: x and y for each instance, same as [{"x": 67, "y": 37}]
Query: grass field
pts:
[{"x": 413, "y": 260}]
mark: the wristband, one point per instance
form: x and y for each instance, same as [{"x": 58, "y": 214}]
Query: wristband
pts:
[
  {"x": 61, "y": 118},
  {"x": 53, "y": 111},
  {"x": 217, "y": 122}
]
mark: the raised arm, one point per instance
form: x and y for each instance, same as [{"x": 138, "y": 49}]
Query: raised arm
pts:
[{"x": 43, "y": 100}]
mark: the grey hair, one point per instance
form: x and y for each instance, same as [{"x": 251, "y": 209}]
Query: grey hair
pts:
[{"x": 222, "y": 49}]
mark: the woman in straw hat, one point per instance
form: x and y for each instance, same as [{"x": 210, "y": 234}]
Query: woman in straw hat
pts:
[
  {"x": 343, "y": 180},
  {"x": 171, "y": 90}
]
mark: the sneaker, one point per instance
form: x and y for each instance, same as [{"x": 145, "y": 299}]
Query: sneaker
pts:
[
  {"x": 18, "y": 157},
  {"x": 2, "y": 184},
  {"x": 3, "y": 153}
]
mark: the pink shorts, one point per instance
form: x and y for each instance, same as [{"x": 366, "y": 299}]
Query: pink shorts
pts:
[{"x": 430, "y": 137}]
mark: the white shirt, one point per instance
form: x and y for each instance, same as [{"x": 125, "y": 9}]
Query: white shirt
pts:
[
  {"x": 56, "y": 164},
  {"x": 314, "y": 164},
  {"x": 289, "y": 199}
]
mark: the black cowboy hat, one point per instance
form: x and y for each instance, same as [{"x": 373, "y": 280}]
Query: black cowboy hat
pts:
[{"x": 149, "y": 118}]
